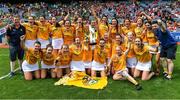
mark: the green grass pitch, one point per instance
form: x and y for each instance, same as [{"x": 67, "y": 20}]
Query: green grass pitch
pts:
[{"x": 18, "y": 88}]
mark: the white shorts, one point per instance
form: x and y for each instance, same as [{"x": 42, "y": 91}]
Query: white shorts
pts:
[
  {"x": 77, "y": 66},
  {"x": 66, "y": 66},
  {"x": 154, "y": 46},
  {"x": 57, "y": 43},
  {"x": 30, "y": 43},
  {"x": 123, "y": 72},
  {"x": 131, "y": 62},
  {"x": 26, "y": 67},
  {"x": 44, "y": 66},
  {"x": 93, "y": 47},
  {"x": 144, "y": 66},
  {"x": 97, "y": 66},
  {"x": 87, "y": 64},
  {"x": 44, "y": 43},
  {"x": 145, "y": 43}
]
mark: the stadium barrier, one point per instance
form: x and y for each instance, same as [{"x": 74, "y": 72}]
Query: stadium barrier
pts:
[
  {"x": 176, "y": 36},
  {"x": 2, "y": 31}
]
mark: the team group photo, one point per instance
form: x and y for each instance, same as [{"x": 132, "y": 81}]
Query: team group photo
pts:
[{"x": 95, "y": 49}]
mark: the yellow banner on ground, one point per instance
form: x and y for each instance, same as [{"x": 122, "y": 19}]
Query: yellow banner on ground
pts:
[{"x": 80, "y": 79}]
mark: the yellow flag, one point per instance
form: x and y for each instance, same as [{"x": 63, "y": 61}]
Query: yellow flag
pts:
[{"x": 80, "y": 79}]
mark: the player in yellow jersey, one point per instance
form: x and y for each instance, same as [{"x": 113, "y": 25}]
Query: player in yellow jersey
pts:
[
  {"x": 114, "y": 29},
  {"x": 57, "y": 37},
  {"x": 77, "y": 56},
  {"x": 30, "y": 64},
  {"x": 144, "y": 60},
  {"x": 131, "y": 60},
  {"x": 139, "y": 30},
  {"x": 128, "y": 27},
  {"x": 80, "y": 29},
  {"x": 31, "y": 32},
  {"x": 100, "y": 59},
  {"x": 47, "y": 62},
  {"x": 103, "y": 26},
  {"x": 87, "y": 56},
  {"x": 119, "y": 41},
  {"x": 63, "y": 61},
  {"x": 107, "y": 46},
  {"x": 43, "y": 32},
  {"x": 118, "y": 62},
  {"x": 154, "y": 43},
  {"x": 68, "y": 32}
]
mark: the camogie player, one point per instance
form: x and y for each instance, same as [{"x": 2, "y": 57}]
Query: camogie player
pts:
[
  {"x": 100, "y": 59},
  {"x": 139, "y": 30},
  {"x": 154, "y": 43},
  {"x": 144, "y": 60},
  {"x": 131, "y": 60},
  {"x": 80, "y": 29},
  {"x": 63, "y": 60},
  {"x": 87, "y": 56},
  {"x": 77, "y": 56},
  {"x": 128, "y": 27},
  {"x": 107, "y": 46},
  {"x": 47, "y": 62},
  {"x": 118, "y": 42},
  {"x": 68, "y": 32},
  {"x": 57, "y": 37},
  {"x": 118, "y": 62},
  {"x": 43, "y": 32},
  {"x": 114, "y": 29},
  {"x": 30, "y": 64},
  {"x": 31, "y": 32},
  {"x": 103, "y": 25}
]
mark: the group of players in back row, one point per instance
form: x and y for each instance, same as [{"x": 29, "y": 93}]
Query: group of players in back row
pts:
[{"x": 122, "y": 51}]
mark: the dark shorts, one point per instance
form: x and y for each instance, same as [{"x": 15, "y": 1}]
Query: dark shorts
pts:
[
  {"x": 169, "y": 53},
  {"x": 16, "y": 51}
]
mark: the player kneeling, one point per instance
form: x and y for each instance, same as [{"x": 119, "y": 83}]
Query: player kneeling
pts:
[
  {"x": 87, "y": 56},
  {"x": 30, "y": 65},
  {"x": 118, "y": 62},
  {"x": 62, "y": 62},
  {"x": 144, "y": 63},
  {"x": 100, "y": 59},
  {"x": 47, "y": 62}
]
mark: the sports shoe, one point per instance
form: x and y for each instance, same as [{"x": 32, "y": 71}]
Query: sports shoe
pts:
[
  {"x": 165, "y": 74},
  {"x": 168, "y": 77},
  {"x": 138, "y": 87},
  {"x": 11, "y": 74}
]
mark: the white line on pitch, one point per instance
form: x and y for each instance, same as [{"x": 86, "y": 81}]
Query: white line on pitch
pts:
[{"x": 2, "y": 77}]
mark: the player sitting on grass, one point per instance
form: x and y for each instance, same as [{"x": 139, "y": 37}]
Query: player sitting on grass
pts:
[{"x": 118, "y": 62}]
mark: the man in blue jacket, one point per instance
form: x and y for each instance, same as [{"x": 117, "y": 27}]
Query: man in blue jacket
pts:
[{"x": 168, "y": 47}]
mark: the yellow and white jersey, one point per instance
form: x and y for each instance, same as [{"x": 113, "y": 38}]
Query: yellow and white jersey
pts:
[
  {"x": 143, "y": 55},
  {"x": 31, "y": 31},
  {"x": 68, "y": 34},
  {"x": 32, "y": 57},
  {"x": 56, "y": 32},
  {"x": 43, "y": 30}
]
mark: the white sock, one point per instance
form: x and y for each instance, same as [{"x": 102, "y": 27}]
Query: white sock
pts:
[
  {"x": 20, "y": 64},
  {"x": 12, "y": 65}
]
